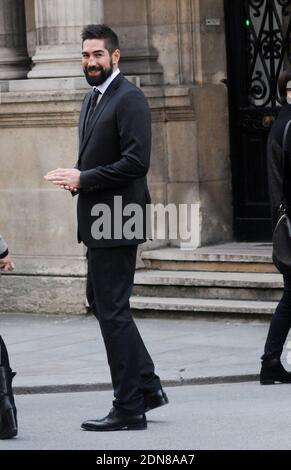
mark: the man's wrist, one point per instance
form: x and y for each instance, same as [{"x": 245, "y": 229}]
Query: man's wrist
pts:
[{"x": 87, "y": 179}]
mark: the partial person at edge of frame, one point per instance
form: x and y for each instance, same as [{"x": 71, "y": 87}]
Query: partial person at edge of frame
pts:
[
  {"x": 272, "y": 369},
  {"x": 8, "y": 412}
]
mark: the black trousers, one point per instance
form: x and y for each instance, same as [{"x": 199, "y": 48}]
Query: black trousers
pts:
[
  {"x": 109, "y": 286},
  {"x": 280, "y": 325}
]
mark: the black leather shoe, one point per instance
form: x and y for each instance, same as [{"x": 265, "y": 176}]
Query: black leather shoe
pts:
[
  {"x": 155, "y": 400},
  {"x": 272, "y": 371},
  {"x": 116, "y": 421}
]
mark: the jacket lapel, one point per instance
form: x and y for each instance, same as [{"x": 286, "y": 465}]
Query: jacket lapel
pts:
[
  {"x": 100, "y": 107},
  {"x": 82, "y": 117}
]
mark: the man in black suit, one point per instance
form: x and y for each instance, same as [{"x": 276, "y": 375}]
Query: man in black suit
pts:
[{"x": 110, "y": 179}]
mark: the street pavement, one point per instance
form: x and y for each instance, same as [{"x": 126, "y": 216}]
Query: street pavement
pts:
[{"x": 236, "y": 416}]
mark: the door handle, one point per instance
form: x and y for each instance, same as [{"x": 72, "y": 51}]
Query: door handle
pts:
[{"x": 268, "y": 120}]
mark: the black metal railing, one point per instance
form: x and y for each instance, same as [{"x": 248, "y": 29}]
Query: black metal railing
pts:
[{"x": 268, "y": 29}]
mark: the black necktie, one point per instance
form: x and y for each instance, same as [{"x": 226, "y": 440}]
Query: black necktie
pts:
[{"x": 92, "y": 107}]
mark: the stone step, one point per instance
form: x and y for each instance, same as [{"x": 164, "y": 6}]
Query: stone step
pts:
[
  {"x": 190, "y": 307},
  {"x": 211, "y": 285},
  {"x": 228, "y": 257}
]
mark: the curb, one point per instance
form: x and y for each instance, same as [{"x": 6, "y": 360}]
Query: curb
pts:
[{"x": 98, "y": 387}]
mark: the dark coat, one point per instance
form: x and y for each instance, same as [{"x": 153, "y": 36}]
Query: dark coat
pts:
[
  {"x": 275, "y": 162},
  {"x": 114, "y": 159},
  {"x": 3, "y": 247}
]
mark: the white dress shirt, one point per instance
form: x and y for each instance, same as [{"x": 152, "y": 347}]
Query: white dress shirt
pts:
[{"x": 103, "y": 87}]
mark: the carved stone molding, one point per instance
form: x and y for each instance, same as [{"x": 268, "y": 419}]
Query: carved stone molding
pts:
[{"x": 61, "y": 109}]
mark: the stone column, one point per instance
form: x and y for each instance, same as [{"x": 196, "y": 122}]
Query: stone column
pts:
[
  {"x": 129, "y": 19},
  {"x": 58, "y": 28},
  {"x": 14, "y": 61}
]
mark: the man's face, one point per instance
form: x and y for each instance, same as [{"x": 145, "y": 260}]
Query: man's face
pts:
[{"x": 98, "y": 64}]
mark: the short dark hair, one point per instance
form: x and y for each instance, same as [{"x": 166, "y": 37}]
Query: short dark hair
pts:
[
  {"x": 283, "y": 79},
  {"x": 101, "y": 31}
]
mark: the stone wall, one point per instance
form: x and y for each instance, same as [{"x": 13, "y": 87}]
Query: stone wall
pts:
[{"x": 180, "y": 62}]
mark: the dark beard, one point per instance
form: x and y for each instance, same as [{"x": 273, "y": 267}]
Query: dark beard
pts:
[{"x": 104, "y": 74}]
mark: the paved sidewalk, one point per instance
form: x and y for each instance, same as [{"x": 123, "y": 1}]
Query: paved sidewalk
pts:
[{"x": 66, "y": 353}]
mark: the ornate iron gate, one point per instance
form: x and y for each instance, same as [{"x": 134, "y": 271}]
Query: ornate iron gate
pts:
[{"x": 258, "y": 49}]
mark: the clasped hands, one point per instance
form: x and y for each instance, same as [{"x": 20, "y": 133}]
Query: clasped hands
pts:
[
  {"x": 6, "y": 264},
  {"x": 65, "y": 178}
]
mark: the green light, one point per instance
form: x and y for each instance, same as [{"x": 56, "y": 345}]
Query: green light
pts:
[{"x": 248, "y": 23}]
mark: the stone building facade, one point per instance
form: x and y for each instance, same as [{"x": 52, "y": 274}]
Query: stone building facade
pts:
[{"x": 175, "y": 50}]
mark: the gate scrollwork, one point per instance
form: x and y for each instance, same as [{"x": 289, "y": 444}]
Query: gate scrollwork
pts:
[{"x": 268, "y": 41}]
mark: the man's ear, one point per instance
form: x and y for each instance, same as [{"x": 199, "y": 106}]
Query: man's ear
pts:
[{"x": 116, "y": 56}]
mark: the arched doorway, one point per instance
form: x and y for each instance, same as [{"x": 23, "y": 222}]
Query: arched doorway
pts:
[{"x": 258, "y": 48}]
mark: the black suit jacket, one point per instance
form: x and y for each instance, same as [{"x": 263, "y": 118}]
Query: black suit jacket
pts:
[{"x": 114, "y": 159}]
